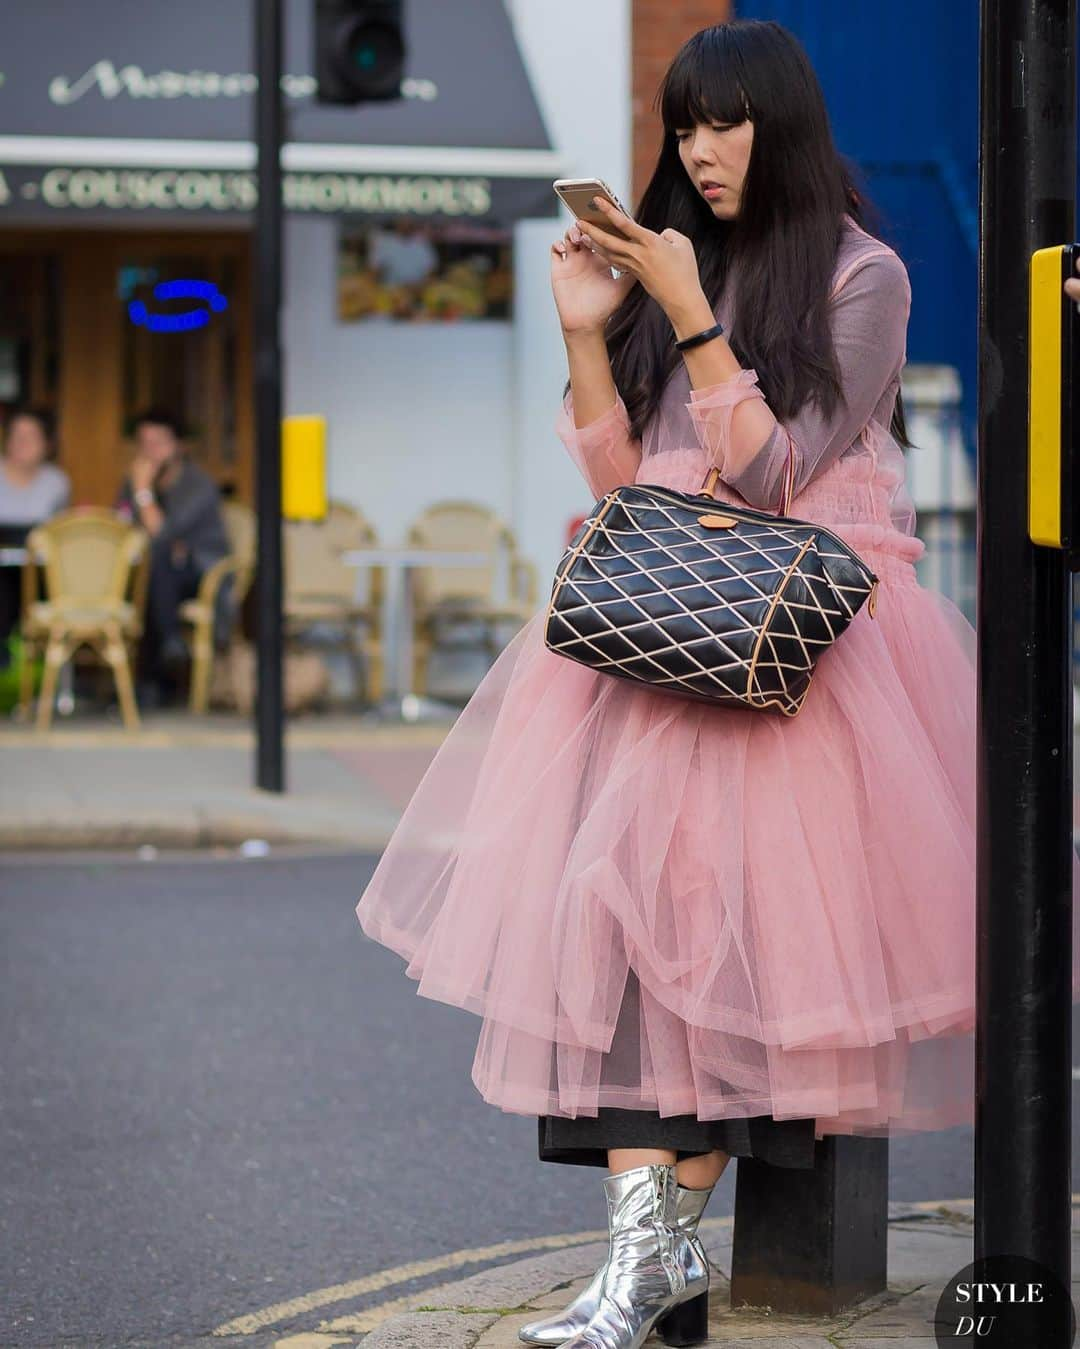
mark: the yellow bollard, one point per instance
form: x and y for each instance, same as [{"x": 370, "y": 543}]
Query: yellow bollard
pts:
[{"x": 303, "y": 468}]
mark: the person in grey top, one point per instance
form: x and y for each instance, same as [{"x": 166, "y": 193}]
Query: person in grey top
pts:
[
  {"x": 179, "y": 506},
  {"x": 31, "y": 490}
]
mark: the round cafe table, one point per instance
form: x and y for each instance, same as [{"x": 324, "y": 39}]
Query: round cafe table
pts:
[{"x": 400, "y": 703}]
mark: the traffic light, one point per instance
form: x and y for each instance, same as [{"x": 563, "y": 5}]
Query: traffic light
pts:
[{"x": 359, "y": 50}]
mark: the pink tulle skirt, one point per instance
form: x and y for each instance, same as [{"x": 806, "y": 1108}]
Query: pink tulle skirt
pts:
[{"x": 795, "y": 896}]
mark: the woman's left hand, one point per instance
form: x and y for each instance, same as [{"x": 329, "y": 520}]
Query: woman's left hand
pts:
[{"x": 665, "y": 263}]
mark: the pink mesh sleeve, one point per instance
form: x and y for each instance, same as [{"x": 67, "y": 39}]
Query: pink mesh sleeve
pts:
[
  {"x": 750, "y": 447},
  {"x": 603, "y": 451}
]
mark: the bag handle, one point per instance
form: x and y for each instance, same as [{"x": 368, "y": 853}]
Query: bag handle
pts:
[{"x": 788, "y": 485}]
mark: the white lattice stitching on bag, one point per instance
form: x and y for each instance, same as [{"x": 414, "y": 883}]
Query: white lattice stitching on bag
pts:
[
  {"x": 667, "y": 539},
  {"x": 609, "y": 662},
  {"x": 623, "y": 630},
  {"x": 697, "y": 583},
  {"x": 725, "y": 560},
  {"x": 714, "y": 672},
  {"x": 606, "y": 662},
  {"x": 796, "y": 636},
  {"x": 770, "y": 530},
  {"x": 768, "y": 635},
  {"x": 787, "y": 543}
]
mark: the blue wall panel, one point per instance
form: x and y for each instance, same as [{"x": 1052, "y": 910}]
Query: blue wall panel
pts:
[{"x": 901, "y": 83}]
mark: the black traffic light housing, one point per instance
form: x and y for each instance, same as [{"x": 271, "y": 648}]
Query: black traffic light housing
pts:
[{"x": 359, "y": 50}]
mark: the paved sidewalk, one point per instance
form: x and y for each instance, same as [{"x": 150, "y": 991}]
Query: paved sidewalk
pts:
[
  {"x": 186, "y": 782},
  {"x": 928, "y": 1244}
]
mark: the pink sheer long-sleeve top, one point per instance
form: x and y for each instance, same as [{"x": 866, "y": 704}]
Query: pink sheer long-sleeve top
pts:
[{"x": 848, "y": 471}]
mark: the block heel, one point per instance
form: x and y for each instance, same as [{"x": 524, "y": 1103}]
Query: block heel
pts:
[{"x": 687, "y": 1323}]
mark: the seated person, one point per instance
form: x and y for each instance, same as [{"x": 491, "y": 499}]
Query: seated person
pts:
[
  {"x": 31, "y": 490},
  {"x": 179, "y": 506}
]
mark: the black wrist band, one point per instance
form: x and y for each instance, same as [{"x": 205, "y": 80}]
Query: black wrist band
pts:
[{"x": 715, "y": 331}]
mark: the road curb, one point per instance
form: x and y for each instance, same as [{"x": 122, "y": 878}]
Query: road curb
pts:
[
  {"x": 188, "y": 827},
  {"x": 928, "y": 1243}
]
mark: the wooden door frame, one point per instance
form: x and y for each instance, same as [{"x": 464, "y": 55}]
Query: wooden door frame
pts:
[{"x": 89, "y": 399}]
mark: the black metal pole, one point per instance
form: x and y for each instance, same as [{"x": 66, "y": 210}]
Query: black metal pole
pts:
[
  {"x": 1023, "y": 994},
  {"x": 269, "y": 714}
]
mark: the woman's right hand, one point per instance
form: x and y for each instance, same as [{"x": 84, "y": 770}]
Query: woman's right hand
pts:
[{"x": 586, "y": 294}]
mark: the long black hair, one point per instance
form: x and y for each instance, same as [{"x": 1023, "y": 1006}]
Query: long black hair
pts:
[{"x": 782, "y": 246}]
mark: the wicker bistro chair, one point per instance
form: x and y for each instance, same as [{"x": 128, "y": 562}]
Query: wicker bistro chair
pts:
[
  {"x": 237, "y": 568},
  {"x": 95, "y": 568},
  {"x": 446, "y": 596},
  {"x": 321, "y": 590}
]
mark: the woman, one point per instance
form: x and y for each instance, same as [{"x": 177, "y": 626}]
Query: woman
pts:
[
  {"x": 31, "y": 490},
  {"x": 695, "y": 931}
]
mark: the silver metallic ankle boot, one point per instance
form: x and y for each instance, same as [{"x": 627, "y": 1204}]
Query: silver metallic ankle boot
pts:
[
  {"x": 557, "y": 1329},
  {"x": 654, "y": 1275}
]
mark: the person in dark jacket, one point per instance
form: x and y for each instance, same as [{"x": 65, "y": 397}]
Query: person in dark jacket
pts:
[{"x": 179, "y": 506}]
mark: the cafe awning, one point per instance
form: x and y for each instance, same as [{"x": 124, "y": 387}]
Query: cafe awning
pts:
[{"x": 125, "y": 108}]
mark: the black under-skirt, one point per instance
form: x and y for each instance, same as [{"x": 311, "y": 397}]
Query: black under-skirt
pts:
[{"x": 584, "y": 1141}]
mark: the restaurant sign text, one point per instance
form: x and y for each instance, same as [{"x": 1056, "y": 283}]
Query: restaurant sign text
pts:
[{"x": 43, "y": 190}]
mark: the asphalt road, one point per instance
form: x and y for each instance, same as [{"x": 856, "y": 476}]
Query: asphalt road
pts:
[{"x": 217, "y": 1094}]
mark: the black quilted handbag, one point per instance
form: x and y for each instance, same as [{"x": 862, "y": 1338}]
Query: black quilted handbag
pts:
[{"x": 696, "y": 597}]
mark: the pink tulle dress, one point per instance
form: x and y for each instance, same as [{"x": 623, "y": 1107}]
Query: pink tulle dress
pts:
[{"x": 794, "y": 898}]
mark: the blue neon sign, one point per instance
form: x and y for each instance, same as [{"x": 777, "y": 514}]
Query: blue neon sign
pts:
[{"x": 186, "y": 320}]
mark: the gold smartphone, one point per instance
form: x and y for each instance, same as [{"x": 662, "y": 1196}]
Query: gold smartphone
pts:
[{"x": 576, "y": 193}]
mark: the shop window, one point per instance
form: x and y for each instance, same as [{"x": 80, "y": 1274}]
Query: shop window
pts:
[{"x": 29, "y": 330}]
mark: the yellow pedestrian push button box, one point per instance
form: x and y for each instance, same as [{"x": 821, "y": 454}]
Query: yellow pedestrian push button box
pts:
[{"x": 1053, "y": 425}]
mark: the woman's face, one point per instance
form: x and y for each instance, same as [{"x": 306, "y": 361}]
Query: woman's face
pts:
[
  {"x": 716, "y": 156},
  {"x": 26, "y": 444}
]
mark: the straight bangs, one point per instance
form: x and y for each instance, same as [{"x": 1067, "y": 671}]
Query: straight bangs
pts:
[{"x": 703, "y": 85}]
